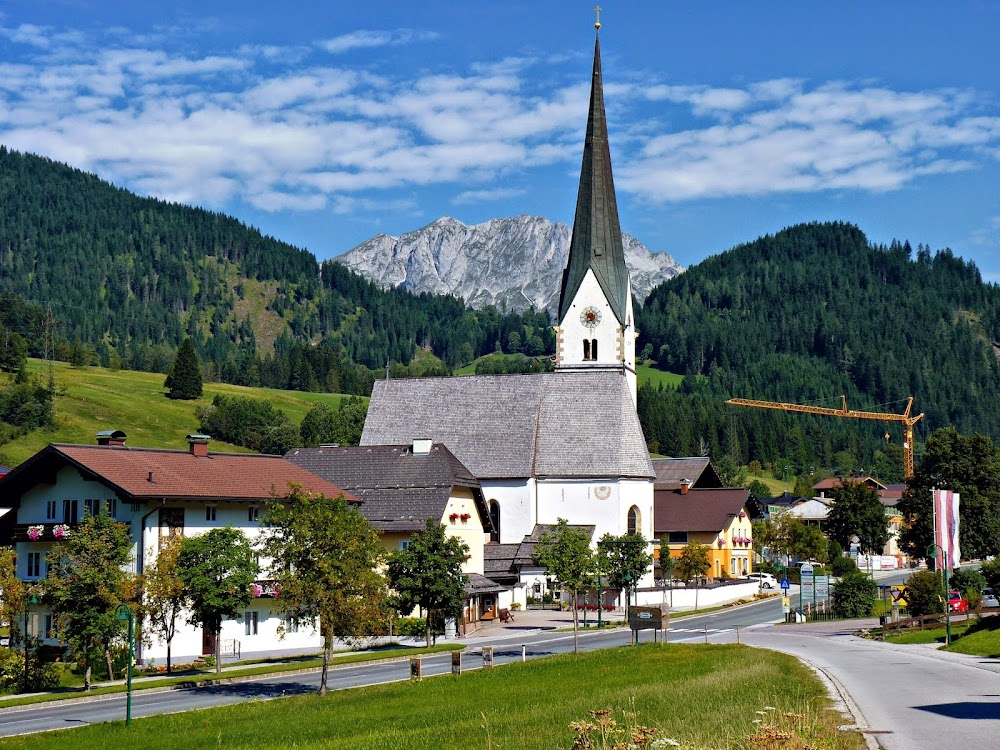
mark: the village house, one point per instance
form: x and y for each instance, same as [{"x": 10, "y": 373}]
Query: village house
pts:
[
  {"x": 404, "y": 486},
  {"x": 158, "y": 494},
  {"x": 716, "y": 517}
]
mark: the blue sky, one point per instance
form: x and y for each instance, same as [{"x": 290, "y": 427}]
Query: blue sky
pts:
[{"x": 324, "y": 123}]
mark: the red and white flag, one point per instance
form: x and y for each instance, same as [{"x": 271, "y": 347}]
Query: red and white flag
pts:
[{"x": 946, "y": 528}]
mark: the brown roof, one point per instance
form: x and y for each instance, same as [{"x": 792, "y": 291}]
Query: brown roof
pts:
[
  {"x": 831, "y": 482},
  {"x": 151, "y": 473},
  {"x": 699, "y": 510},
  {"x": 670, "y": 472}
]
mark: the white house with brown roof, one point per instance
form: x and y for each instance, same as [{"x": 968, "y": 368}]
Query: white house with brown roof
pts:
[
  {"x": 404, "y": 486},
  {"x": 158, "y": 494}
]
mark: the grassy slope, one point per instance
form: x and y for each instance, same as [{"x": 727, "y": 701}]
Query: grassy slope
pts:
[
  {"x": 707, "y": 696},
  {"x": 92, "y": 399}
]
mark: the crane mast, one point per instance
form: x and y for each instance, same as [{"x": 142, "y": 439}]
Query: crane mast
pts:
[{"x": 904, "y": 418}]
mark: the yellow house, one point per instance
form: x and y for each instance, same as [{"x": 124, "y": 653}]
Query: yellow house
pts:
[
  {"x": 402, "y": 487},
  {"x": 715, "y": 517}
]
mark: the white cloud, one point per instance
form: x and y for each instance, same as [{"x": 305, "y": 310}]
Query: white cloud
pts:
[
  {"x": 369, "y": 39},
  {"x": 284, "y": 131}
]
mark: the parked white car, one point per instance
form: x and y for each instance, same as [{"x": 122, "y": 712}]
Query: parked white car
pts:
[
  {"x": 766, "y": 580},
  {"x": 990, "y": 599}
]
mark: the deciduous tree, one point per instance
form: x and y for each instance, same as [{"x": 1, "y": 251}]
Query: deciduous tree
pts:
[
  {"x": 217, "y": 568},
  {"x": 623, "y": 559},
  {"x": 564, "y": 551},
  {"x": 428, "y": 574},
  {"x": 693, "y": 564},
  {"x": 86, "y": 584},
  {"x": 857, "y": 511},
  {"x": 969, "y": 465},
  {"x": 325, "y": 557},
  {"x": 163, "y": 596}
]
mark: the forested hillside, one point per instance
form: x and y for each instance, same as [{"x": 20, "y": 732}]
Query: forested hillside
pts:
[
  {"x": 127, "y": 278},
  {"x": 810, "y": 313}
]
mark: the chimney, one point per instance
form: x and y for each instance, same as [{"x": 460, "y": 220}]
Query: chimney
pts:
[
  {"x": 114, "y": 438},
  {"x": 685, "y": 486},
  {"x": 198, "y": 445},
  {"x": 422, "y": 446}
]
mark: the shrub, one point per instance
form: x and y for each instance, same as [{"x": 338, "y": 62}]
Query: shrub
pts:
[
  {"x": 970, "y": 582},
  {"x": 925, "y": 593},
  {"x": 842, "y": 565},
  {"x": 40, "y": 676},
  {"x": 990, "y": 570},
  {"x": 855, "y": 596}
]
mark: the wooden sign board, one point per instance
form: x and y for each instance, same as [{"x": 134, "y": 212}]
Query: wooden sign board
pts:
[
  {"x": 655, "y": 617},
  {"x": 416, "y": 668},
  {"x": 456, "y": 662},
  {"x": 487, "y": 657}
]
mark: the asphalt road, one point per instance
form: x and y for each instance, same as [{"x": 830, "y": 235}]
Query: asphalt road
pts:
[{"x": 508, "y": 647}]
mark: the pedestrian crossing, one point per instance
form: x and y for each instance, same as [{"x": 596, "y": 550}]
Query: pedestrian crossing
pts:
[{"x": 710, "y": 631}]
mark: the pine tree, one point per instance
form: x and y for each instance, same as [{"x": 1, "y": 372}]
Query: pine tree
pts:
[{"x": 184, "y": 380}]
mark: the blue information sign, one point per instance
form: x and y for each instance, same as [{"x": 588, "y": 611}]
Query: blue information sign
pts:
[{"x": 785, "y": 584}]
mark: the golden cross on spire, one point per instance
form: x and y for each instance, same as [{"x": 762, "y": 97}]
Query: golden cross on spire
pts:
[{"x": 597, "y": 10}]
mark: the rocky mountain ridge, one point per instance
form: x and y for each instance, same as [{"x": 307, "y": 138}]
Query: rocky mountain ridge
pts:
[{"x": 512, "y": 263}]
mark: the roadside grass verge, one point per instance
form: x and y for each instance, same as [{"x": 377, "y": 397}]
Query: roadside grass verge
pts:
[
  {"x": 982, "y": 638},
  {"x": 701, "y": 696},
  {"x": 930, "y": 635},
  {"x": 193, "y": 678}
]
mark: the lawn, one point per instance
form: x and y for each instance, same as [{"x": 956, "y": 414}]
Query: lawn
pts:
[
  {"x": 646, "y": 374},
  {"x": 981, "y": 639},
  {"x": 703, "y": 696},
  {"x": 90, "y": 399}
]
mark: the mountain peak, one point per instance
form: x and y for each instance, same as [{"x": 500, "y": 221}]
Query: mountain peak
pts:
[{"x": 512, "y": 263}]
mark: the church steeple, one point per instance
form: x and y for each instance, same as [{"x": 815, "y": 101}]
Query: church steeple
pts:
[{"x": 597, "y": 239}]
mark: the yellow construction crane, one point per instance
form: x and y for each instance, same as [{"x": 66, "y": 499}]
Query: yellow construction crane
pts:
[{"x": 905, "y": 418}]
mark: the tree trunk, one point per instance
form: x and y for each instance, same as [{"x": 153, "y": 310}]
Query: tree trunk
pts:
[
  {"x": 576, "y": 625},
  {"x": 87, "y": 675},
  {"x": 427, "y": 623},
  {"x": 218, "y": 650},
  {"x": 327, "y": 647},
  {"x": 111, "y": 667},
  {"x": 168, "y": 655}
]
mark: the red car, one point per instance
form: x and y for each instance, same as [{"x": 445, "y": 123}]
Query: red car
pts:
[{"x": 956, "y": 602}]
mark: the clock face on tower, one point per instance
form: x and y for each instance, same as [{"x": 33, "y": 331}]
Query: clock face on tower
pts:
[{"x": 590, "y": 317}]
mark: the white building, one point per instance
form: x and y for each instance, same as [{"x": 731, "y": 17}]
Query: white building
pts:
[
  {"x": 159, "y": 494},
  {"x": 545, "y": 446}
]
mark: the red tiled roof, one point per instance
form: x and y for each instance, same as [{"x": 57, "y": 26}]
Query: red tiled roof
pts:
[
  {"x": 146, "y": 472},
  {"x": 698, "y": 510}
]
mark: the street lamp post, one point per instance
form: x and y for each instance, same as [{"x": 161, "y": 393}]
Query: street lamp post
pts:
[
  {"x": 29, "y": 600},
  {"x": 125, "y": 613}
]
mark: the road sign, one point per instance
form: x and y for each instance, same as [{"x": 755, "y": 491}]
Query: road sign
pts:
[
  {"x": 785, "y": 584},
  {"x": 898, "y": 594},
  {"x": 822, "y": 587},
  {"x": 786, "y": 604}
]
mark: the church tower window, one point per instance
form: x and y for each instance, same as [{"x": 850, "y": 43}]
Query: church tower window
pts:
[
  {"x": 495, "y": 521},
  {"x": 586, "y": 350},
  {"x": 593, "y": 348},
  {"x": 634, "y": 521}
]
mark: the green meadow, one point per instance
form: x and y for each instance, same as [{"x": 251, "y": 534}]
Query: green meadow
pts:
[
  {"x": 91, "y": 399},
  {"x": 717, "y": 696}
]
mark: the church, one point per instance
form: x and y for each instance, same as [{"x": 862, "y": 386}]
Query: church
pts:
[{"x": 564, "y": 444}]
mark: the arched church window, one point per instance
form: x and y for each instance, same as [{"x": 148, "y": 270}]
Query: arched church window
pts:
[
  {"x": 586, "y": 350},
  {"x": 495, "y": 521},
  {"x": 634, "y": 521},
  {"x": 593, "y": 348}
]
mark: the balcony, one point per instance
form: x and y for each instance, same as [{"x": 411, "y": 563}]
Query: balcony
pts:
[{"x": 40, "y": 532}]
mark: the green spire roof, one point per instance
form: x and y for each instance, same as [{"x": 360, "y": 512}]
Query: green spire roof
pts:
[{"x": 597, "y": 235}]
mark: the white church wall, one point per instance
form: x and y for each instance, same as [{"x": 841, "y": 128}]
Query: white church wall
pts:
[
  {"x": 582, "y": 501},
  {"x": 516, "y": 498}
]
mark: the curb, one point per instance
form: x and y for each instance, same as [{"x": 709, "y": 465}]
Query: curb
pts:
[{"x": 845, "y": 703}]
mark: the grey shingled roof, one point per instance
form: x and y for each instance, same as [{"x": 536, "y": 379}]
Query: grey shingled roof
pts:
[
  {"x": 478, "y": 584},
  {"x": 557, "y": 424},
  {"x": 699, "y": 469},
  {"x": 399, "y": 490}
]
